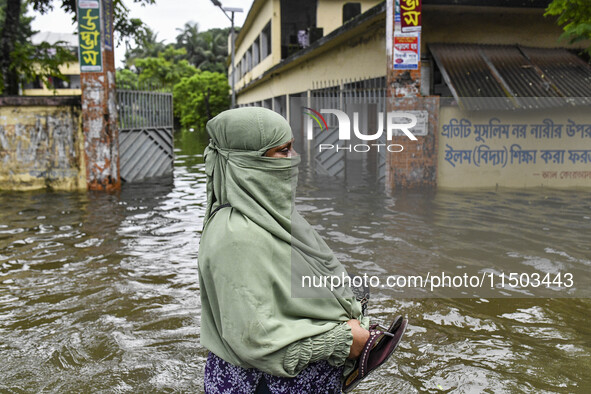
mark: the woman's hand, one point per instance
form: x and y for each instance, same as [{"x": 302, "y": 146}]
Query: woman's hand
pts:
[{"x": 360, "y": 337}]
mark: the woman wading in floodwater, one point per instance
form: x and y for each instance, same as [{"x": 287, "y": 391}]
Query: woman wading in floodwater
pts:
[{"x": 262, "y": 337}]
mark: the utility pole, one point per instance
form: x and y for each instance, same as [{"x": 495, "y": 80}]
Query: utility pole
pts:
[
  {"x": 99, "y": 106},
  {"x": 416, "y": 166},
  {"x": 231, "y": 10}
]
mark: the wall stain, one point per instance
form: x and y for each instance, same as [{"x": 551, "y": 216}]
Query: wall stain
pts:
[{"x": 41, "y": 146}]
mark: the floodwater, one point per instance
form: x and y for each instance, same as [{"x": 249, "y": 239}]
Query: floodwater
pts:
[{"x": 99, "y": 293}]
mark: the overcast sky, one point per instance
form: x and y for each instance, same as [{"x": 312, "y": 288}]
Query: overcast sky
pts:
[{"x": 164, "y": 17}]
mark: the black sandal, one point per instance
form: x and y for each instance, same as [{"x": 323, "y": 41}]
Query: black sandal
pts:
[{"x": 378, "y": 348}]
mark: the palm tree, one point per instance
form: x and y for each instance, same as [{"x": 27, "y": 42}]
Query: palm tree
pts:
[
  {"x": 190, "y": 39},
  {"x": 207, "y": 50},
  {"x": 215, "y": 52},
  {"x": 149, "y": 46}
]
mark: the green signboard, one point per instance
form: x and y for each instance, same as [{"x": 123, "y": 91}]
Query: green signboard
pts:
[{"x": 89, "y": 36}]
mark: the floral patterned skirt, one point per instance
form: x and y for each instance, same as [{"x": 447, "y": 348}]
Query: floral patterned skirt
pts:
[{"x": 223, "y": 377}]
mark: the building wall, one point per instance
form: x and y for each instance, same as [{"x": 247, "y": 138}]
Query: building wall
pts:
[
  {"x": 329, "y": 13},
  {"x": 535, "y": 157},
  {"x": 491, "y": 25},
  {"x": 329, "y": 17},
  {"x": 72, "y": 69},
  {"x": 464, "y": 161},
  {"x": 362, "y": 55},
  {"x": 550, "y": 148},
  {"x": 276, "y": 33},
  {"x": 365, "y": 55},
  {"x": 41, "y": 144},
  {"x": 269, "y": 11}
]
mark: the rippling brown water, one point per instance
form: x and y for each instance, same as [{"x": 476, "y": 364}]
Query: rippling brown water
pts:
[{"x": 99, "y": 293}]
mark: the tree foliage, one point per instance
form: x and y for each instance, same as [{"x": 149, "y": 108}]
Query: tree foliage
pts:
[
  {"x": 167, "y": 69},
  {"x": 575, "y": 18},
  {"x": 194, "y": 67},
  {"x": 127, "y": 79},
  {"x": 47, "y": 59},
  {"x": 148, "y": 45},
  {"x": 123, "y": 25},
  {"x": 21, "y": 61},
  {"x": 206, "y": 50},
  {"x": 200, "y": 97}
]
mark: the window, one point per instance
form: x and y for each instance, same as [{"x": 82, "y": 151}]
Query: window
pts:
[
  {"x": 279, "y": 105},
  {"x": 35, "y": 84},
  {"x": 74, "y": 81},
  {"x": 249, "y": 59},
  {"x": 59, "y": 83},
  {"x": 255, "y": 52},
  {"x": 350, "y": 11},
  {"x": 266, "y": 41},
  {"x": 295, "y": 16}
]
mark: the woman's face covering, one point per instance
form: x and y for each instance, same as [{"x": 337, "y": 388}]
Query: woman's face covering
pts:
[{"x": 285, "y": 150}]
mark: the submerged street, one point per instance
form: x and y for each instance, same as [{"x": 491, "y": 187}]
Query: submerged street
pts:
[{"x": 99, "y": 292}]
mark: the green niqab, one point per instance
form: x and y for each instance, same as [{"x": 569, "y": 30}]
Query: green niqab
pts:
[{"x": 253, "y": 255}]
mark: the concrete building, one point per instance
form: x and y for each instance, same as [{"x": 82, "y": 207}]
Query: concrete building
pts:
[
  {"x": 288, "y": 53},
  {"x": 286, "y": 47},
  {"x": 70, "y": 84}
]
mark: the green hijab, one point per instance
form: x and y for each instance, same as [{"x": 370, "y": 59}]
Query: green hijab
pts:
[{"x": 252, "y": 256}]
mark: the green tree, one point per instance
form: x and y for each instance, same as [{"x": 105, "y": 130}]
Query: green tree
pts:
[
  {"x": 149, "y": 46},
  {"x": 20, "y": 61},
  {"x": 215, "y": 51},
  {"x": 125, "y": 26},
  {"x": 127, "y": 79},
  {"x": 190, "y": 39},
  {"x": 575, "y": 18},
  {"x": 200, "y": 97},
  {"x": 207, "y": 50},
  {"x": 167, "y": 69},
  {"x": 26, "y": 62}
]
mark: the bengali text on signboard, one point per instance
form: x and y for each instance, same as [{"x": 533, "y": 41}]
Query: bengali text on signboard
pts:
[
  {"x": 406, "y": 51},
  {"x": 410, "y": 15},
  {"x": 572, "y": 145},
  {"x": 89, "y": 36}
]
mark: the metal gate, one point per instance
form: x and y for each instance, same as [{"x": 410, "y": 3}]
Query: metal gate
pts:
[
  {"x": 328, "y": 162},
  {"x": 145, "y": 134},
  {"x": 347, "y": 95}
]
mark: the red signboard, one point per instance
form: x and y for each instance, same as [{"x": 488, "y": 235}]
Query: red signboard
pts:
[
  {"x": 410, "y": 15},
  {"x": 407, "y": 51}
]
